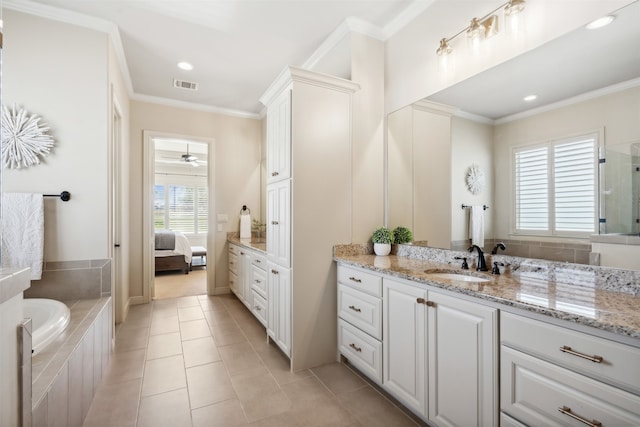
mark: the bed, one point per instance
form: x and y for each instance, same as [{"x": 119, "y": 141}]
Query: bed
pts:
[{"x": 172, "y": 251}]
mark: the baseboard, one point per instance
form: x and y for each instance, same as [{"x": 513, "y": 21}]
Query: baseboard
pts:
[
  {"x": 222, "y": 291},
  {"x": 137, "y": 300}
]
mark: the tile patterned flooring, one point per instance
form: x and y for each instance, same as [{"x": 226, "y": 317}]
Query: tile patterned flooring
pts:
[{"x": 205, "y": 361}]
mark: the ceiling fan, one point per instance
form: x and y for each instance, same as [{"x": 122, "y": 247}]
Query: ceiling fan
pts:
[{"x": 185, "y": 158}]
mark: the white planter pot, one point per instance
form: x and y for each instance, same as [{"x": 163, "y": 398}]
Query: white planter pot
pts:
[{"x": 382, "y": 249}]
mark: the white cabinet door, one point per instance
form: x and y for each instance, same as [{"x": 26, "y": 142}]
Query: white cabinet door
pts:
[
  {"x": 279, "y": 138},
  {"x": 463, "y": 362},
  {"x": 279, "y": 223},
  {"x": 279, "y": 306},
  {"x": 404, "y": 343}
]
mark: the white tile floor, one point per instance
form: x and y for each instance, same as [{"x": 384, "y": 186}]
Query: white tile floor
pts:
[{"x": 205, "y": 361}]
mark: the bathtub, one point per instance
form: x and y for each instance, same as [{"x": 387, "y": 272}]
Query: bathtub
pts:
[{"x": 49, "y": 318}]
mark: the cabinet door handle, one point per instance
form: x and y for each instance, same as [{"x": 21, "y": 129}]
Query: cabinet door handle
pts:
[
  {"x": 426, "y": 302},
  {"x": 355, "y": 347},
  {"x": 354, "y": 308},
  {"x": 274, "y": 222},
  {"x": 241, "y": 253},
  {"x": 594, "y": 358},
  {"x": 353, "y": 279},
  {"x": 274, "y": 272},
  {"x": 274, "y": 174},
  {"x": 231, "y": 263},
  {"x": 258, "y": 308},
  {"x": 258, "y": 261},
  {"x": 257, "y": 281},
  {"x": 567, "y": 411}
]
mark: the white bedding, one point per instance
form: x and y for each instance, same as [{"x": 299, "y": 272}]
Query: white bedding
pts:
[{"x": 183, "y": 247}]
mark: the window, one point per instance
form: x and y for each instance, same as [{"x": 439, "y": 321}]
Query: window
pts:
[
  {"x": 555, "y": 187},
  {"x": 181, "y": 208}
]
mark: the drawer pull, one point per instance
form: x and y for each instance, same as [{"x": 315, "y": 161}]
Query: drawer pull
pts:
[
  {"x": 274, "y": 174},
  {"x": 354, "y": 308},
  {"x": 426, "y": 302},
  {"x": 567, "y": 349},
  {"x": 258, "y": 308},
  {"x": 257, "y": 281},
  {"x": 567, "y": 411},
  {"x": 353, "y": 279},
  {"x": 274, "y": 272},
  {"x": 274, "y": 222},
  {"x": 355, "y": 347},
  {"x": 258, "y": 261},
  {"x": 241, "y": 253}
]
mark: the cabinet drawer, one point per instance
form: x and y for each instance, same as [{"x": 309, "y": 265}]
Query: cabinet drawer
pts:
[
  {"x": 361, "y": 310},
  {"x": 363, "y": 352},
  {"x": 233, "y": 249},
  {"x": 260, "y": 261},
  {"x": 533, "y": 391},
  {"x": 366, "y": 282},
  {"x": 619, "y": 364},
  {"x": 233, "y": 282},
  {"x": 233, "y": 262},
  {"x": 259, "y": 281},
  {"x": 259, "y": 308}
]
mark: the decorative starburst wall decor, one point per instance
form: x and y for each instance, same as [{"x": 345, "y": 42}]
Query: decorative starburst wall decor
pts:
[{"x": 24, "y": 138}]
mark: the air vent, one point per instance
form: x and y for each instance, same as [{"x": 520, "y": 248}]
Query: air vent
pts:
[{"x": 182, "y": 84}]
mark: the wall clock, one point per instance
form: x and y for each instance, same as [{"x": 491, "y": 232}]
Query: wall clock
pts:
[
  {"x": 24, "y": 138},
  {"x": 475, "y": 179}
]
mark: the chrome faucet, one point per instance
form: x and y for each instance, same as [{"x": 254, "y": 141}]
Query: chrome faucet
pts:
[{"x": 482, "y": 264}]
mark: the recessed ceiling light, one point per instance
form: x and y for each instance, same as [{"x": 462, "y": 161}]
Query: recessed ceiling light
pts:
[
  {"x": 530, "y": 98},
  {"x": 600, "y": 22},
  {"x": 185, "y": 66}
]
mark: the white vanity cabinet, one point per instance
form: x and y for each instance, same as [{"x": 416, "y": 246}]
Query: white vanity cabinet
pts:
[
  {"x": 309, "y": 167},
  {"x": 441, "y": 355},
  {"x": 248, "y": 279},
  {"x": 258, "y": 284},
  {"x": 234, "y": 252},
  {"x": 279, "y": 306},
  {"x": 552, "y": 375},
  {"x": 360, "y": 320},
  {"x": 244, "y": 277}
]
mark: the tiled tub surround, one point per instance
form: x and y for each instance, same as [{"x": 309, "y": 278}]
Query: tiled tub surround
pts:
[
  {"x": 599, "y": 297},
  {"x": 68, "y": 371},
  {"x": 72, "y": 280}
]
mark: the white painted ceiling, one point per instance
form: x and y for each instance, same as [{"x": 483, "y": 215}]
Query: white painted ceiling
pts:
[
  {"x": 579, "y": 62},
  {"x": 237, "y": 47}
]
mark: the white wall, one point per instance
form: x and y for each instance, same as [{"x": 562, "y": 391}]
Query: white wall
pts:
[
  {"x": 471, "y": 143},
  {"x": 616, "y": 113},
  {"x": 59, "y": 72},
  {"x": 237, "y": 173},
  {"x": 411, "y": 71}
]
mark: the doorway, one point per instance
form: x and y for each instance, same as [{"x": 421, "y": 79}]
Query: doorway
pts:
[{"x": 178, "y": 188}]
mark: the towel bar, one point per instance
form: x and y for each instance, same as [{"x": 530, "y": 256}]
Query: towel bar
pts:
[
  {"x": 65, "y": 196},
  {"x": 484, "y": 207}
]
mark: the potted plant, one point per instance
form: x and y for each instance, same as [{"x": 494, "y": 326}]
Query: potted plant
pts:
[
  {"x": 382, "y": 239},
  {"x": 402, "y": 235}
]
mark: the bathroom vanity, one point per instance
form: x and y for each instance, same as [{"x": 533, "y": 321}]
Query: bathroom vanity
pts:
[{"x": 546, "y": 344}]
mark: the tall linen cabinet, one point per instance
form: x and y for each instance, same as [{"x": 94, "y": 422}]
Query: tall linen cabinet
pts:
[{"x": 309, "y": 164}]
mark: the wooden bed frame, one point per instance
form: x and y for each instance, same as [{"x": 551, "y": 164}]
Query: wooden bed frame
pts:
[{"x": 170, "y": 263}]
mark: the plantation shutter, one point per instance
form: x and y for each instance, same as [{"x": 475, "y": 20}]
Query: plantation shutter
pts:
[
  {"x": 532, "y": 189},
  {"x": 181, "y": 208},
  {"x": 202, "y": 209},
  {"x": 158, "y": 206},
  {"x": 574, "y": 184}
]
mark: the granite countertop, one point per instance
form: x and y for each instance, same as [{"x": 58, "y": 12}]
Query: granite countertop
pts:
[
  {"x": 258, "y": 244},
  {"x": 585, "y": 304}
]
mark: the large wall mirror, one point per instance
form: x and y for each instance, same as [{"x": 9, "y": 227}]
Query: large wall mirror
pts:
[{"x": 585, "y": 81}]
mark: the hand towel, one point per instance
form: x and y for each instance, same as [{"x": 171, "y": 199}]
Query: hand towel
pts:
[
  {"x": 23, "y": 232},
  {"x": 476, "y": 225},
  {"x": 245, "y": 226}
]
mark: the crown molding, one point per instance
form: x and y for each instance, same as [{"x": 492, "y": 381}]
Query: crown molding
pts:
[
  {"x": 327, "y": 45},
  {"x": 474, "y": 117},
  {"x": 194, "y": 106},
  {"x": 619, "y": 87},
  {"x": 434, "y": 107}
]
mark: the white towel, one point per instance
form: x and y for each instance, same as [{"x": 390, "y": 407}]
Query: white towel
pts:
[
  {"x": 476, "y": 225},
  {"x": 245, "y": 226},
  {"x": 23, "y": 232}
]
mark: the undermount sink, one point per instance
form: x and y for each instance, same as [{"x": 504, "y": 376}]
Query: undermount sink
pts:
[{"x": 456, "y": 276}]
